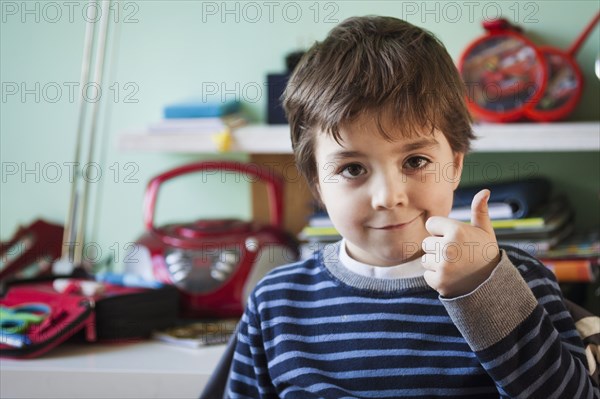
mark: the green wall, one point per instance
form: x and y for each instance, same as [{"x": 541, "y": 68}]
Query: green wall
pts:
[{"x": 169, "y": 50}]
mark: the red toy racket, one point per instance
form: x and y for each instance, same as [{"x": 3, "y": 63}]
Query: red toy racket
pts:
[
  {"x": 504, "y": 73},
  {"x": 565, "y": 80}
]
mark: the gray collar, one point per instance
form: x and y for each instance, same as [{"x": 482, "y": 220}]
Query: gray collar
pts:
[{"x": 329, "y": 257}]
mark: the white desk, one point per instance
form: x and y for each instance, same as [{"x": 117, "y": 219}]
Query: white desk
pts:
[{"x": 147, "y": 369}]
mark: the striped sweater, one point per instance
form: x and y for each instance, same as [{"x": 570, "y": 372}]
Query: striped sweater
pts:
[{"x": 314, "y": 329}]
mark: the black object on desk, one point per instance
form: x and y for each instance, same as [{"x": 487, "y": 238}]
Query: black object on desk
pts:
[{"x": 276, "y": 83}]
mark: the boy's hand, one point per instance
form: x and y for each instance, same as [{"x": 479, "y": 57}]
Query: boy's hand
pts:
[{"x": 458, "y": 256}]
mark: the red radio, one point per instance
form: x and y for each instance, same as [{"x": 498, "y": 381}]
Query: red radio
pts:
[{"x": 214, "y": 263}]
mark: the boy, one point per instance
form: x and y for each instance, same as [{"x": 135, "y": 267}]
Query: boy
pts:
[{"x": 409, "y": 303}]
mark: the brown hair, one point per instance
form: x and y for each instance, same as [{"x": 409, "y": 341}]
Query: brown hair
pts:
[{"x": 378, "y": 65}]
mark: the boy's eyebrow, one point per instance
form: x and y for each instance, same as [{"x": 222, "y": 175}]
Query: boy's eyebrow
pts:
[
  {"x": 345, "y": 154},
  {"x": 415, "y": 145}
]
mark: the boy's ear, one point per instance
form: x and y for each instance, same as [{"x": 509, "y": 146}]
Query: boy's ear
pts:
[{"x": 459, "y": 158}]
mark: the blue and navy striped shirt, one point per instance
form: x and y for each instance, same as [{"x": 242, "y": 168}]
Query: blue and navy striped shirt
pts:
[{"x": 314, "y": 329}]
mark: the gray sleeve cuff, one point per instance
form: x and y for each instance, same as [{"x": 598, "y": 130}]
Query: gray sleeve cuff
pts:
[{"x": 493, "y": 309}]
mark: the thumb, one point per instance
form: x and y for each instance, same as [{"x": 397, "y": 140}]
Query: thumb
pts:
[{"x": 480, "y": 216}]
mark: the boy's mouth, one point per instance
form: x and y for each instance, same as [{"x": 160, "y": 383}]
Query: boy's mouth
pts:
[{"x": 396, "y": 226}]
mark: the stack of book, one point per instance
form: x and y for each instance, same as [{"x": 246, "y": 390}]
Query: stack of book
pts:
[
  {"x": 575, "y": 259},
  {"x": 544, "y": 227},
  {"x": 526, "y": 216},
  {"x": 523, "y": 213},
  {"x": 508, "y": 200},
  {"x": 318, "y": 233},
  {"x": 197, "y": 117}
]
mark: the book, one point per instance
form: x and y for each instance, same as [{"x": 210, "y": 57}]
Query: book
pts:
[
  {"x": 198, "y": 125},
  {"x": 497, "y": 210},
  {"x": 197, "y": 108},
  {"x": 321, "y": 222},
  {"x": 314, "y": 233},
  {"x": 198, "y": 333},
  {"x": 573, "y": 270},
  {"x": 320, "y": 219}
]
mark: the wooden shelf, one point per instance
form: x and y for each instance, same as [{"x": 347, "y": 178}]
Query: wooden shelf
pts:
[{"x": 274, "y": 139}]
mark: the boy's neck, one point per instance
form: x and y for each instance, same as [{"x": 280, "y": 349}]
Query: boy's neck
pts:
[
  {"x": 329, "y": 257},
  {"x": 409, "y": 269}
]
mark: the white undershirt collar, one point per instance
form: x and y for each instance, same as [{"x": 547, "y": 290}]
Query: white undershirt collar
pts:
[{"x": 404, "y": 270}]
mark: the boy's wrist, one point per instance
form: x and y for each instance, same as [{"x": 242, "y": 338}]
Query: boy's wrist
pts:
[
  {"x": 494, "y": 308},
  {"x": 476, "y": 279}
]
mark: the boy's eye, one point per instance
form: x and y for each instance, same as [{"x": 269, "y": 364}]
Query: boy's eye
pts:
[
  {"x": 417, "y": 162},
  {"x": 352, "y": 171}
]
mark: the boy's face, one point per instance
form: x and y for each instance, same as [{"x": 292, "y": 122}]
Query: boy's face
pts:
[{"x": 379, "y": 194}]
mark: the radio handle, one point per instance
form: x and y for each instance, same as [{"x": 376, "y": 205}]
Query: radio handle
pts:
[{"x": 273, "y": 182}]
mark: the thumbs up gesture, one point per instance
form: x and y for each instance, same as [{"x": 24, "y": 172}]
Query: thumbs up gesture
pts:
[{"x": 458, "y": 256}]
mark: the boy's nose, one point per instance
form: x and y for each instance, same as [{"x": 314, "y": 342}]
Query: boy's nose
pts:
[{"x": 388, "y": 192}]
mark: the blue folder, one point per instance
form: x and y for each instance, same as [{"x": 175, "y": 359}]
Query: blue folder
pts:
[{"x": 523, "y": 196}]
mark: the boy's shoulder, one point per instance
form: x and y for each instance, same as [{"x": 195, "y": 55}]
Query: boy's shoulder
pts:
[
  {"x": 300, "y": 275},
  {"x": 294, "y": 267},
  {"x": 292, "y": 272}
]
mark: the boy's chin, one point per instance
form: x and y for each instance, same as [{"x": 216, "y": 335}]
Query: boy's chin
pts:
[{"x": 384, "y": 251}]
